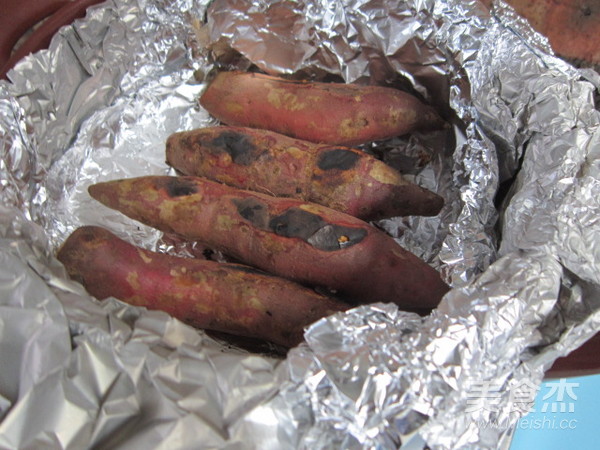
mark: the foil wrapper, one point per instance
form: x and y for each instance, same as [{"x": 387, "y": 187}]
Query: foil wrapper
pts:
[{"x": 519, "y": 170}]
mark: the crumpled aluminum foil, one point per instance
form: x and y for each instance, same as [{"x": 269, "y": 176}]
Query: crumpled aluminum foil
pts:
[{"x": 524, "y": 264}]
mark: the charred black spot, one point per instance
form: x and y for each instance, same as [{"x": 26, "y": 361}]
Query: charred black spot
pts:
[
  {"x": 180, "y": 187},
  {"x": 338, "y": 158},
  {"x": 269, "y": 313},
  {"x": 311, "y": 228},
  {"x": 189, "y": 140},
  {"x": 301, "y": 224},
  {"x": 336, "y": 237},
  {"x": 238, "y": 146},
  {"x": 208, "y": 253},
  {"x": 296, "y": 223},
  {"x": 87, "y": 235},
  {"x": 253, "y": 210}
]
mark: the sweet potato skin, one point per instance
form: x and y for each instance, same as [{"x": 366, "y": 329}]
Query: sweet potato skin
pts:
[
  {"x": 302, "y": 241},
  {"x": 571, "y": 26},
  {"x": 330, "y": 113},
  {"x": 341, "y": 178},
  {"x": 230, "y": 298}
]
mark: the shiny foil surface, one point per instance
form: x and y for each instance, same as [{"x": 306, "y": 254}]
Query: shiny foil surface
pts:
[{"x": 519, "y": 168}]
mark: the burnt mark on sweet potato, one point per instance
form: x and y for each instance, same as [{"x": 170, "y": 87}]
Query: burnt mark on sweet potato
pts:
[
  {"x": 337, "y": 158},
  {"x": 180, "y": 187},
  {"x": 296, "y": 223},
  {"x": 336, "y": 237},
  {"x": 239, "y": 147},
  {"x": 311, "y": 228},
  {"x": 253, "y": 210}
]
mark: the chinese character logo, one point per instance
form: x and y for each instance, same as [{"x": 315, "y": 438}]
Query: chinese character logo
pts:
[
  {"x": 522, "y": 396},
  {"x": 484, "y": 395},
  {"x": 557, "y": 392}
]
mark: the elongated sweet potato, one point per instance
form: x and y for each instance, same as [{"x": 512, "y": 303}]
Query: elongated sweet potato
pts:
[
  {"x": 341, "y": 178},
  {"x": 303, "y": 241},
  {"x": 330, "y": 113},
  {"x": 230, "y": 298}
]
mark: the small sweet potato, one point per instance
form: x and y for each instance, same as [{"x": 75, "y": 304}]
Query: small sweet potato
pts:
[
  {"x": 330, "y": 113},
  {"x": 341, "y": 178},
  {"x": 230, "y": 298},
  {"x": 291, "y": 238}
]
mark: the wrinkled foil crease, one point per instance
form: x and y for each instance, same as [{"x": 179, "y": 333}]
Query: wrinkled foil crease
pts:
[{"x": 524, "y": 264}]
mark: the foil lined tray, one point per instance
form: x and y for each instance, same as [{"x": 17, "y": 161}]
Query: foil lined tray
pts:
[{"x": 519, "y": 171}]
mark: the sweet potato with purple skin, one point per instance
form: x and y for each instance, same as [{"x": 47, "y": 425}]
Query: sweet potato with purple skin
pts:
[
  {"x": 341, "y": 178},
  {"x": 302, "y": 241},
  {"x": 231, "y": 298},
  {"x": 329, "y": 113}
]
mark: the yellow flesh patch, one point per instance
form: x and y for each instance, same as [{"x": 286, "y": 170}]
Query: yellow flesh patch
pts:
[
  {"x": 166, "y": 211},
  {"x": 313, "y": 208},
  {"x": 350, "y": 128},
  {"x": 280, "y": 98},
  {"x": 225, "y": 222},
  {"x": 144, "y": 257},
  {"x": 149, "y": 195},
  {"x": 124, "y": 187},
  {"x": 401, "y": 116},
  {"x": 234, "y": 108},
  {"x": 133, "y": 280},
  {"x": 384, "y": 174}
]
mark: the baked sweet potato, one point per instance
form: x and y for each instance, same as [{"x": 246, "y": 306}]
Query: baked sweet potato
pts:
[
  {"x": 330, "y": 113},
  {"x": 341, "y": 178},
  {"x": 231, "y": 298},
  {"x": 302, "y": 241},
  {"x": 571, "y": 26}
]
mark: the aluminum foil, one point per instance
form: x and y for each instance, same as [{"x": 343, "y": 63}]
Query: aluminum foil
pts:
[{"x": 519, "y": 170}]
